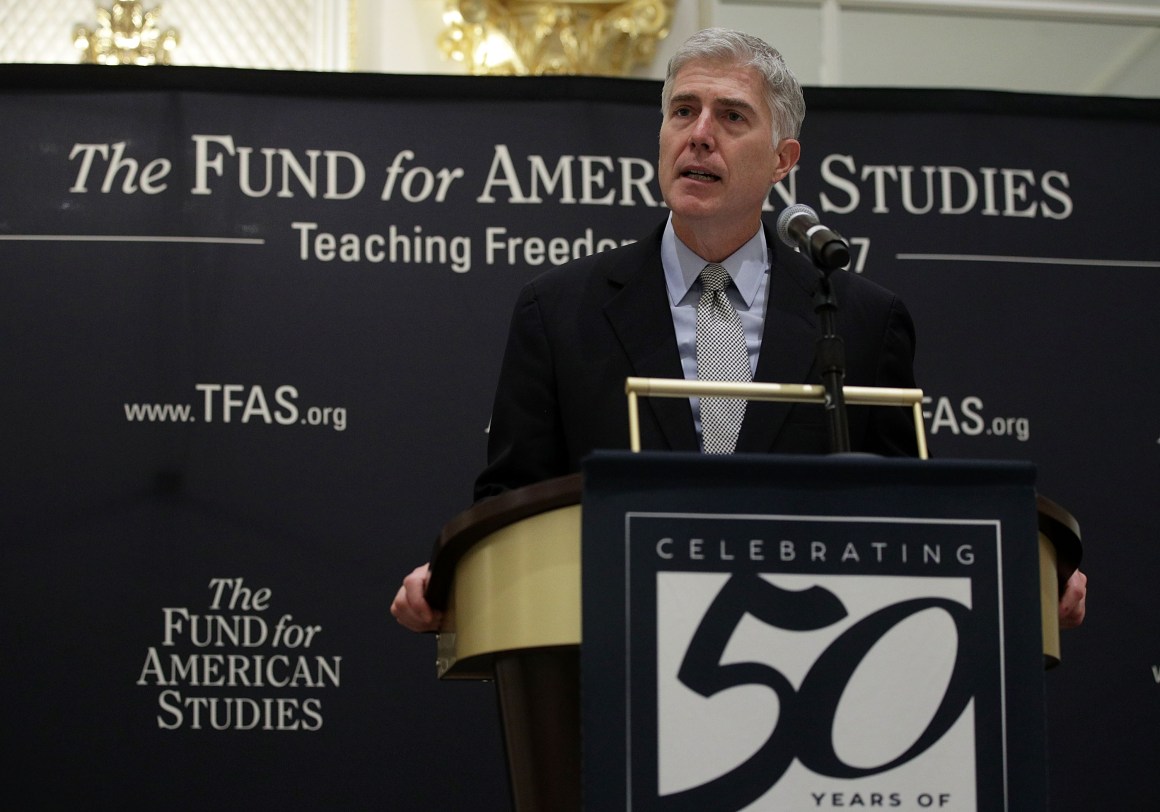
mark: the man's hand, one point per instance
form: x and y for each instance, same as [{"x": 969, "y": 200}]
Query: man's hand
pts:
[
  {"x": 410, "y": 607},
  {"x": 1073, "y": 603}
]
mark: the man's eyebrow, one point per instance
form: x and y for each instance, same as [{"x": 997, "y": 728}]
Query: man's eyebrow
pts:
[
  {"x": 729, "y": 101},
  {"x": 720, "y": 101}
]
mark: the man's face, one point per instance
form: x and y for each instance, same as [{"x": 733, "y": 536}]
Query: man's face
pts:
[{"x": 717, "y": 159}]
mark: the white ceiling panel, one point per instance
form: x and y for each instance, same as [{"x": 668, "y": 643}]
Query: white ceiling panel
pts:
[{"x": 1042, "y": 46}]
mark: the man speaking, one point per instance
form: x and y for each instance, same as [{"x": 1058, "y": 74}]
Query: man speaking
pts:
[{"x": 710, "y": 294}]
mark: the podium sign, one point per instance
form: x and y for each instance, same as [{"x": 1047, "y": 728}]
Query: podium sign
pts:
[{"x": 775, "y": 633}]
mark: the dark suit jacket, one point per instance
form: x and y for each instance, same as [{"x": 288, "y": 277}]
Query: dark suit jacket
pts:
[{"x": 579, "y": 330}]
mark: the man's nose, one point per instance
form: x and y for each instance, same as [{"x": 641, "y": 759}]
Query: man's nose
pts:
[{"x": 702, "y": 132}]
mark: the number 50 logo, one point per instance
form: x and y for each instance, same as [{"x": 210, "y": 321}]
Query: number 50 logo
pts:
[{"x": 820, "y": 667}]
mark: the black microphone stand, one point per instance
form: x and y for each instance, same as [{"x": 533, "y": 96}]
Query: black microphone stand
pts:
[
  {"x": 831, "y": 356},
  {"x": 798, "y": 227}
]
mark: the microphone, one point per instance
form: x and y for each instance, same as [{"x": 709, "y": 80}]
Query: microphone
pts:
[{"x": 798, "y": 227}]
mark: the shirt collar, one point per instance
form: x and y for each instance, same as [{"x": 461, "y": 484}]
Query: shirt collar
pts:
[{"x": 746, "y": 265}]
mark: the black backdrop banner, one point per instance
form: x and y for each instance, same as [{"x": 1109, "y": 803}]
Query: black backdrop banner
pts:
[{"x": 251, "y": 324}]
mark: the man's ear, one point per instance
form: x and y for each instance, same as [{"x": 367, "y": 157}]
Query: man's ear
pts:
[{"x": 788, "y": 151}]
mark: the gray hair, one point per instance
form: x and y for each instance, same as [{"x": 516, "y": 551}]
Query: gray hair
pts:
[{"x": 783, "y": 92}]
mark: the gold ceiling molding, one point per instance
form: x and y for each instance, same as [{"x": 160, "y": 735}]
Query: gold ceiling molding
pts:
[
  {"x": 126, "y": 34},
  {"x": 530, "y": 38}
]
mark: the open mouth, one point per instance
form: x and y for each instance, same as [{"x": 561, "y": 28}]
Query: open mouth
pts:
[{"x": 694, "y": 174}]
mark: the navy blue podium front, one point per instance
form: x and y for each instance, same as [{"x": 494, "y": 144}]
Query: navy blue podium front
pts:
[
  {"x": 675, "y": 631},
  {"x": 765, "y": 632}
]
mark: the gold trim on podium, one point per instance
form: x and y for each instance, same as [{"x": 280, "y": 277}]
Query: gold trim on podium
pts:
[
  {"x": 518, "y": 589},
  {"x": 1049, "y": 600},
  {"x": 785, "y": 392},
  {"x": 506, "y": 572}
]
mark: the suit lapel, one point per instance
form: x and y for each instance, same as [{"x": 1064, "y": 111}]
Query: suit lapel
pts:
[
  {"x": 638, "y": 311},
  {"x": 787, "y": 343}
]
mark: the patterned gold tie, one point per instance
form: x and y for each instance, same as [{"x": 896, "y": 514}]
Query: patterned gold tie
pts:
[{"x": 721, "y": 356}]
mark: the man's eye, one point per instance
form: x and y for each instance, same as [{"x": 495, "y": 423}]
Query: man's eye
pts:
[{"x": 733, "y": 115}]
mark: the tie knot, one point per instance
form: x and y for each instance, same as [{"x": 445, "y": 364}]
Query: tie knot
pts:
[{"x": 714, "y": 277}]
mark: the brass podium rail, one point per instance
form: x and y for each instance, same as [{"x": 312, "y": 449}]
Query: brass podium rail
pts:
[{"x": 786, "y": 392}]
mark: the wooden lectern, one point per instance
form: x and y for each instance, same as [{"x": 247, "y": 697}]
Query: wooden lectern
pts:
[{"x": 507, "y": 572}]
